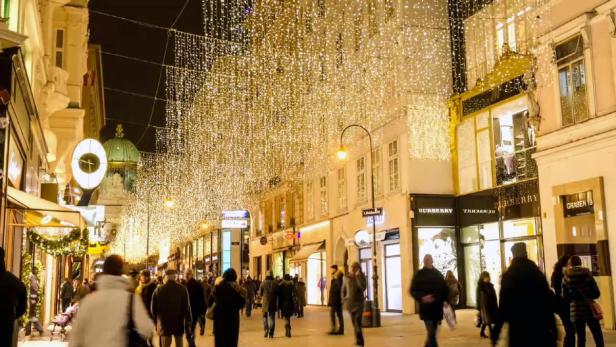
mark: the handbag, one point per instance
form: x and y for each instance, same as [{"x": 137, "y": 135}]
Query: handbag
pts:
[
  {"x": 596, "y": 310},
  {"x": 134, "y": 338},
  {"x": 209, "y": 314},
  {"x": 449, "y": 315}
]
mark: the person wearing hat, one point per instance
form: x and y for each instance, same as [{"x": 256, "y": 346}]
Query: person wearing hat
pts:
[
  {"x": 526, "y": 303},
  {"x": 12, "y": 305},
  {"x": 104, "y": 314},
  {"x": 354, "y": 298},
  {"x": 269, "y": 302},
  {"x": 334, "y": 301},
  {"x": 197, "y": 303},
  {"x": 171, "y": 311}
]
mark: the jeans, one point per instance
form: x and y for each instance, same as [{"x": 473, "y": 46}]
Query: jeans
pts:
[
  {"x": 431, "y": 328},
  {"x": 269, "y": 323},
  {"x": 333, "y": 313},
  {"x": 287, "y": 326},
  {"x": 565, "y": 318},
  {"x": 190, "y": 335},
  {"x": 356, "y": 319},
  {"x": 165, "y": 341},
  {"x": 595, "y": 329}
]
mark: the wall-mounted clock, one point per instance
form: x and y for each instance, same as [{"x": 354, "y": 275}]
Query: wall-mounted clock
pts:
[{"x": 89, "y": 163}]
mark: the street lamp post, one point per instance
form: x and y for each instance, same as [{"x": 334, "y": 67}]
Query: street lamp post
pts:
[
  {"x": 376, "y": 313},
  {"x": 168, "y": 203}
]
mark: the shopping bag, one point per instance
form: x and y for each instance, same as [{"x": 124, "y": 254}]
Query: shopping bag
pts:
[{"x": 449, "y": 315}]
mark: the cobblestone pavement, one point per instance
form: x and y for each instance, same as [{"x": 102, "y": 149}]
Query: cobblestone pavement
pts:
[{"x": 311, "y": 331}]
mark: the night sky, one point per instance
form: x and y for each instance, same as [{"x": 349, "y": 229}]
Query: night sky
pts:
[{"x": 145, "y": 43}]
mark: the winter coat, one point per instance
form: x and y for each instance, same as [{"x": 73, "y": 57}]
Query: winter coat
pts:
[
  {"x": 251, "y": 289},
  {"x": 66, "y": 291},
  {"x": 207, "y": 292},
  {"x": 487, "y": 303},
  {"x": 353, "y": 292},
  {"x": 269, "y": 295},
  {"x": 579, "y": 287},
  {"x": 12, "y": 305},
  {"x": 302, "y": 298},
  {"x": 430, "y": 282},
  {"x": 528, "y": 305},
  {"x": 196, "y": 298},
  {"x": 103, "y": 315},
  {"x": 147, "y": 291},
  {"x": 171, "y": 308},
  {"x": 335, "y": 292},
  {"x": 287, "y": 297},
  {"x": 556, "y": 282},
  {"x": 229, "y": 300}
]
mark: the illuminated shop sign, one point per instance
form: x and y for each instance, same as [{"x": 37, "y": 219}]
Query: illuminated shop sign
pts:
[
  {"x": 434, "y": 210},
  {"x": 378, "y": 220},
  {"x": 235, "y": 214},
  {"x": 578, "y": 204},
  {"x": 234, "y": 223}
]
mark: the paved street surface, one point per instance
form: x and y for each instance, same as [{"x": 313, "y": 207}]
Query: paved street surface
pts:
[{"x": 312, "y": 330}]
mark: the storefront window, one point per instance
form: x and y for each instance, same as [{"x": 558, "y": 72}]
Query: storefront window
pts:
[
  {"x": 467, "y": 161},
  {"x": 365, "y": 261},
  {"x": 519, "y": 228},
  {"x": 277, "y": 264},
  {"x": 441, "y": 244},
  {"x": 226, "y": 250},
  {"x": 316, "y": 280}
]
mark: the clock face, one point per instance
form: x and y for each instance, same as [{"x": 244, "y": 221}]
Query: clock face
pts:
[{"x": 89, "y": 163}]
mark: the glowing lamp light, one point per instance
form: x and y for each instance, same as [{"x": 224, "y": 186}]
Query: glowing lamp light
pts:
[
  {"x": 169, "y": 203},
  {"x": 204, "y": 225},
  {"x": 342, "y": 153},
  {"x": 46, "y": 219}
]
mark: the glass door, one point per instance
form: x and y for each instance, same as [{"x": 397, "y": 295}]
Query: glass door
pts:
[
  {"x": 393, "y": 278},
  {"x": 365, "y": 261},
  {"x": 482, "y": 252}
]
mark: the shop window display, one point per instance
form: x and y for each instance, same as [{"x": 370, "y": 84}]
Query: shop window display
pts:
[
  {"x": 316, "y": 279},
  {"x": 441, "y": 244}
]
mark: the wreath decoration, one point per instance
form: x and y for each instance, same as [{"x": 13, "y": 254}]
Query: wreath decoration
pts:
[{"x": 75, "y": 243}]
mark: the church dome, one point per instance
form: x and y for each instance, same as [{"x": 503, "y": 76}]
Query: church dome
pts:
[{"x": 121, "y": 151}]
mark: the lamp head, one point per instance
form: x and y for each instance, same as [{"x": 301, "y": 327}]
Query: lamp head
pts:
[
  {"x": 342, "y": 153},
  {"x": 169, "y": 203}
]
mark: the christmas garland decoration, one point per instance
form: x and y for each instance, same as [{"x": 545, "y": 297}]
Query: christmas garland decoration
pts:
[
  {"x": 75, "y": 243},
  {"x": 26, "y": 271}
]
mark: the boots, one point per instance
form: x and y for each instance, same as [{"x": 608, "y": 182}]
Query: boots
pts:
[{"x": 287, "y": 330}]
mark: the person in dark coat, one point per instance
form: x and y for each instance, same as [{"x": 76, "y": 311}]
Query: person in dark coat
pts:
[
  {"x": 486, "y": 303},
  {"x": 66, "y": 294},
  {"x": 269, "y": 302},
  {"x": 229, "y": 298},
  {"x": 429, "y": 288},
  {"x": 197, "y": 303},
  {"x": 146, "y": 290},
  {"x": 287, "y": 299},
  {"x": 251, "y": 291},
  {"x": 556, "y": 282},
  {"x": 526, "y": 303},
  {"x": 302, "y": 297},
  {"x": 354, "y": 298},
  {"x": 334, "y": 301},
  {"x": 12, "y": 305},
  {"x": 171, "y": 310},
  {"x": 207, "y": 294},
  {"x": 579, "y": 289}
]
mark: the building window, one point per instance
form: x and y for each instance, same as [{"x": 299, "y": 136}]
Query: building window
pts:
[
  {"x": 342, "y": 193},
  {"x": 393, "y": 160},
  {"x": 377, "y": 172},
  {"x": 390, "y": 9},
  {"x": 60, "y": 48},
  {"x": 323, "y": 194},
  {"x": 357, "y": 23},
  {"x": 572, "y": 81},
  {"x": 321, "y": 8},
  {"x": 282, "y": 206},
  {"x": 339, "y": 51},
  {"x": 361, "y": 179},
  {"x": 372, "y": 20},
  {"x": 309, "y": 201}
]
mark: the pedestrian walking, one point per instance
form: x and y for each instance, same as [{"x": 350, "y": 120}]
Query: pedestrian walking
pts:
[
  {"x": 66, "y": 294},
  {"x": 334, "y": 301},
  {"x": 207, "y": 294},
  {"x": 354, "y": 298},
  {"x": 12, "y": 306},
  {"x": 580, "y": 289},
  {"x": 526, "y": 303},
  {"x": 197, "y": 304},
  {"x": 453, "y": 285},
  {"x": 562, "y": 305},
  {"x": 105, "y": 314},
  {"x": 302, "y": 297},
  {"x": 429, "y": 288},
  {"x": 171, "y": 311},
  {"x": 33, "y": 300},
  {"x": 146, "y": 290},
  {"x": 287, "y": 300},
  {"x": 251, "y": 292},
  {"x": 269, "y": 302},
  {"x": 79, "y": 290},
  {"x": 229, "y": 298},
  {"x": 486, "y": 303}
]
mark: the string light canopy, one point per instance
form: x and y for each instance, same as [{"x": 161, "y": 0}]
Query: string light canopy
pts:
[{"x": 261, "y": 98}]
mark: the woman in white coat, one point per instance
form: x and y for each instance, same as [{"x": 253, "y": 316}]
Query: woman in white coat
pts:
[{"x": 102, "y": 319}]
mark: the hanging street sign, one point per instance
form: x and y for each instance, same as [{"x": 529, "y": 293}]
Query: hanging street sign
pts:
[{"x": 368, "y": 212}]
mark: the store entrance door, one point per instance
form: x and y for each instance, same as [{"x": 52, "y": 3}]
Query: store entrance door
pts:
[
  {"x": 365, "y": 261},
  {"x": 482, "y": 252},
  {"x": 393, "y": 278}
]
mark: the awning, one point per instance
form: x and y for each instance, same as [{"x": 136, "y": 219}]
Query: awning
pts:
[
  {"x": 306, "y": 251},
  {"x": 43, "y": 213}
]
